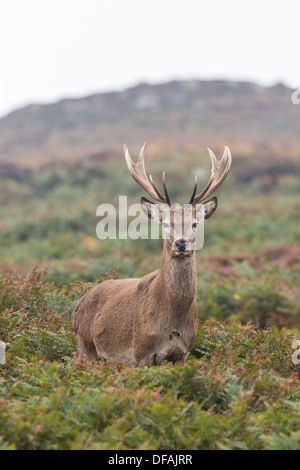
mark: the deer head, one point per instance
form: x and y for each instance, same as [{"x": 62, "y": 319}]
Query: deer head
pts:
[{"x": 179, "y": 222}]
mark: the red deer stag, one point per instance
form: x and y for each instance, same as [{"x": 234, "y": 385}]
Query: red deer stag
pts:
[{"x": 145, "y": 321}]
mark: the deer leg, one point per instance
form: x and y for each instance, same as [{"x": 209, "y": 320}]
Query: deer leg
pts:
[
  {"x": 86, "y": 351},
  {"x": 148, "y": 361}
]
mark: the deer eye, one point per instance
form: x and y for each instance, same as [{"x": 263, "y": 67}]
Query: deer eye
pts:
[{"x": 195, "y": 225}]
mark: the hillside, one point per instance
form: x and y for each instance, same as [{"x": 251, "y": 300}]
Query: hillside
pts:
[{"x": 203, "y": 112}]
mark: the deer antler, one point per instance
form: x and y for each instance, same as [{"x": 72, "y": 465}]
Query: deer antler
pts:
[
  {"x": 138, "y": 173},
  {"x": 219, "y": 171}
]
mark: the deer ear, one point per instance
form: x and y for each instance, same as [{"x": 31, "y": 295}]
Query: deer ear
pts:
[
  {"x": 210, "y": 207},
  {"x": 151, "y": 210}
]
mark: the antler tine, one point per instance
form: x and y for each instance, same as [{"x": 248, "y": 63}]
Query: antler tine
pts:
[
  {"x": 200, "y": 196},
  {"x": 165, "y": 198},
  {"x": 219, "y": 171},
  {"x": 138, "y": 173},
  {"x": 194, "y": 192},
  {"x": 159, "y": 194},
  {"x": 223, "y": 167},
  {"x": 165, "y": 188}
]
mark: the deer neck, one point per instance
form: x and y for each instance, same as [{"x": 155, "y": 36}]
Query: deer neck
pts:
[{"x": 178, "y": 278}]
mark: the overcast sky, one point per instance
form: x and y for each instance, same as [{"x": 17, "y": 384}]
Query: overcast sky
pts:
[{"x": 51, "y": 49}]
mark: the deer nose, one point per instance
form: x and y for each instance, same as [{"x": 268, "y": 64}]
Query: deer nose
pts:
[{"x": 181, "y": 245}]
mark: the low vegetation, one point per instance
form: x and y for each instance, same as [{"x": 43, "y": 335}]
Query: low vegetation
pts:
[{"x": 239, "y": 388}]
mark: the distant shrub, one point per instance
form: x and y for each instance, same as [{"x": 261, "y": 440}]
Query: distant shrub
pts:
[{"x": 254, "y": 297}]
